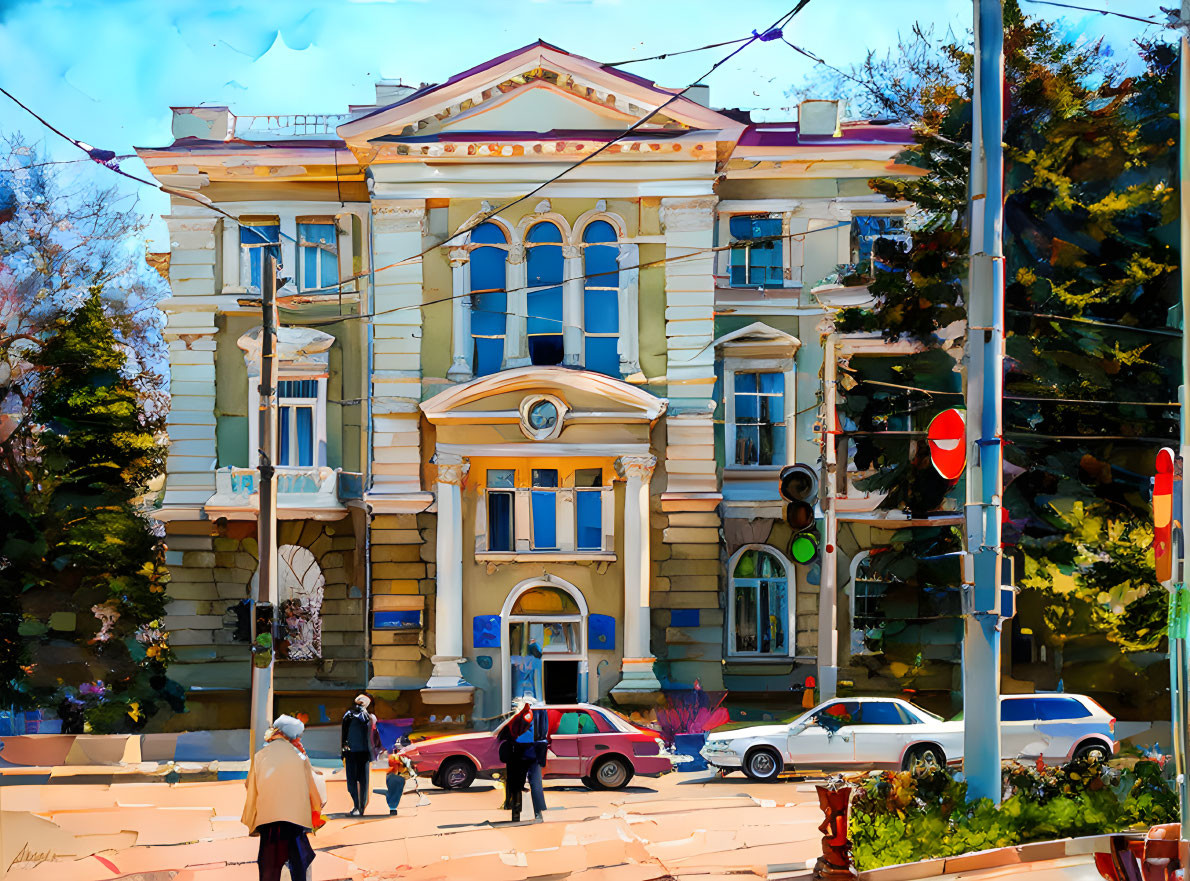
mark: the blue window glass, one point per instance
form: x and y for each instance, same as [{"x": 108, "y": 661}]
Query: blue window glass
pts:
[
  {"x": 757, "y": 262},
  {"x": 259, "y": 239},
  {"x": 304, "y": 435},
  {"x": 588, "y": 504},
  {"x": 544, "y": 506},
  {"x": 868, "y": 229},
  {"x": 601, "y": 299},
  {"x": 319, "y": 255},
  {"x": 489, "y": 300},
  {"x": 759, "y": 418},
  {"x": 283, "y": 430},
  {"x": 544, "y": 298},
  {"x": 501, "y": 498},
  {"x": 297, "y": 388},
  {"x": 760, "y": 605}
]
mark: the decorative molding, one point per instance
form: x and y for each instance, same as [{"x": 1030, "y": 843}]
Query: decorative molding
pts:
[
  {"x": 398, "y": 218},
  {"x": 687, "y": 214},
  {"x": 637, "y": 467},
  {"x": 452, "y": 470}
]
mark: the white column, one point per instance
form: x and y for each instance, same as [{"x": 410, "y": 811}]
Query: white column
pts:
[
  {"x": 573, "y": 286},
  {"x": 638, "y": 658},
  {"x": 629, "y": 294},
  {"x": 446, "y": 684},
  {"x": 461, "y": 368},
  {"x": 516, "y": 346}
]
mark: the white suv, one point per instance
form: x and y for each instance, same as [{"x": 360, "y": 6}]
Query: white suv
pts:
[{"x": 1055, "y": 727}]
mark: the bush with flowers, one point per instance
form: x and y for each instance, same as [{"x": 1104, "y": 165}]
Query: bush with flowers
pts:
[{"x": 915, "y": 815}]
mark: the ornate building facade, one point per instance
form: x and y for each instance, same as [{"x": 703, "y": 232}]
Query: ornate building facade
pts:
[{"x": 527, "y": 445}]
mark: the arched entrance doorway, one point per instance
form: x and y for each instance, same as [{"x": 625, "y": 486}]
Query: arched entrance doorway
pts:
[{"x": 544, "y": 639}]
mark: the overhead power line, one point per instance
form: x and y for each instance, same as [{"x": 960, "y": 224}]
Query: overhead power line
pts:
[{"x": 1103, "y": 12}]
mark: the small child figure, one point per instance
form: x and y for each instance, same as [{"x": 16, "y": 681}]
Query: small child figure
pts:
[{"x": 399, "y": 770}]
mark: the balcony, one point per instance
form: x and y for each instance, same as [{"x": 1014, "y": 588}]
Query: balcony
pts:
[{"x": 303, "y": 493}]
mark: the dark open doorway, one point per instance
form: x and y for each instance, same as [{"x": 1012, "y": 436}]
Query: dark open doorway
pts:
[{"x": 561, "y": 682}]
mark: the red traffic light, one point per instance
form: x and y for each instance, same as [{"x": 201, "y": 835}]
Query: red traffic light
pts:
[
  {"x": 799, "y": 483},
  {"x": 1163, "y": 514}
]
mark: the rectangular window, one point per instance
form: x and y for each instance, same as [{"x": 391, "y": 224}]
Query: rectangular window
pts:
[
  {"x": 296, "y": 400},
  {"x": 501, "y": 507},
  {"x": 258, "y": 237},
  {"x": 868, "y": 619},
  {"x": 757, "y": 262},
  {"x": 760, "y": 616},
  {"x": 318, "y": 240},
  {"x": 544, "y": 505},
  {"x": 588, "y": 509},
  {"x": 759, "y": 418},
  {"x": 867, "y": 229}
]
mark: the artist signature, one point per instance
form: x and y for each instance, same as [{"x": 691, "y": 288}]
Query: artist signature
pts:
[{"x": 37, "y": 857}]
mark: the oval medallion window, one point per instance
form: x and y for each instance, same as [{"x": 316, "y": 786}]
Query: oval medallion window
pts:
[{"x": 542, "y": 417}]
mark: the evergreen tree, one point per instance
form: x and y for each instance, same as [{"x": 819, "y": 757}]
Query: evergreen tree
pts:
[
  {"x": 1091, "y": 360},
  {"x": 80, "y": 560}
]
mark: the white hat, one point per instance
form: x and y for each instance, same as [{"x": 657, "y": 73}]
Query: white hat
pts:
[{"x": 289, "y": 726}]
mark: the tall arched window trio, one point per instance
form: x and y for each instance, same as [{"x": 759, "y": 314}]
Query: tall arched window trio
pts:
[{"x": 549, "y": 325}]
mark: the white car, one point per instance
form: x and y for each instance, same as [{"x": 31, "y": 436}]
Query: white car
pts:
[
  {"x": 873, "y": 732},
  {"x": 846, "y": 733}
]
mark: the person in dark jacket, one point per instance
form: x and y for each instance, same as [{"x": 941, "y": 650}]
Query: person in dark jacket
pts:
[
  {"x": 541, "y": 749},
  {"x": 359, "y": 747},
  {"x": 518, "y": 752}
]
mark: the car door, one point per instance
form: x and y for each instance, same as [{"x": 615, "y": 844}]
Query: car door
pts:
[
  {"x": 599, "y": 738},
  {"x": 1018, "y": 727},
  {"x": 882, "y": 734},
  {"x": 567, "y": 730},
  {"x": 825, "y": 740},
  {"x": 1061, "y": 723}
]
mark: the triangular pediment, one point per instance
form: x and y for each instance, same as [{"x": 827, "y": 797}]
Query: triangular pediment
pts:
[{"x": 534, "y": 89}]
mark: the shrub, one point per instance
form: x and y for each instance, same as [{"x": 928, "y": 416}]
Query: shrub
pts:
[{"x": 909, "y": 816}]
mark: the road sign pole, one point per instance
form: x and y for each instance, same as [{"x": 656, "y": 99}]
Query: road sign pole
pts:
[
  {"x": 1179, "y": 657},
  {"x": 985, "y": 359}
]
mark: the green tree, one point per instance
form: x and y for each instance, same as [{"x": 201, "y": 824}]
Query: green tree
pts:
[
  {"x": 80, "y": 560},
  {"x": 1091, "y": 262}
]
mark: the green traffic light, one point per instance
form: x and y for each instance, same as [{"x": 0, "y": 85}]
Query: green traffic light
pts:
[{"x": 804, "y": 547}]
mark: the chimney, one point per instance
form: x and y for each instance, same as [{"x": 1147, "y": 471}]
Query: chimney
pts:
[
  {"x": 700, "y": 93},
  {"x": 207, "y": 123},
  {"x": 391, "y": 91},
  {"x": 817, "y": 118}
]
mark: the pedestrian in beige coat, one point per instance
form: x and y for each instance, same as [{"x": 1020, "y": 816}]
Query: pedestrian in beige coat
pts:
[{"x": 285, "y": 799}]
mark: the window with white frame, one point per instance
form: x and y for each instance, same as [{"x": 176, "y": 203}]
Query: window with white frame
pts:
[
  {"x": 259, "y": 236},
  {"x": 756, "y": 255},
  {"x": 489, "y": 297},
  {"x": 544, "y": 299},
  {"x": 318, "y": 261},
  {"x": 759, "y": 605},
  {"x": 758, "y": 418},
  {"x": 867, "y": 231},
  {"x": 529, "y": 510},
  {"x": 297, "y": 406},
  {"x": 601, "y": 298},
  {"x": 867, "y": 606}
]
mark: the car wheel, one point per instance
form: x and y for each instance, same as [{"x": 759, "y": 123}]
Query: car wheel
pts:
[
  {"x": 1093, "y": 752},
  {"x": 763, "y": 765},
  {"x": 456, "y": 774},
  {"x": 926, "y": 756},
  {"x": 611, "y": 773},
  {"x": 588, "y": 782}
]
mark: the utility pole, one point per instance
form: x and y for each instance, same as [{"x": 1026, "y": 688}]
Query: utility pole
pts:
[
  {"x": 985, "y": 378},
  {"x": 1179, "y": 597},
  {"x": 264, "y": 604}
]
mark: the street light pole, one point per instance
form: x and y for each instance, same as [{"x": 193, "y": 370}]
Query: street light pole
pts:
[
  {"x": 265, "y": 602},
  {"x": 985, "y": 378},
  {"x": 1179, "y": 598}
]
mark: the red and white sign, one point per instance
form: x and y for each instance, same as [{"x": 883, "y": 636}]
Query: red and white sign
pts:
[{"x": 947, "y": 437}]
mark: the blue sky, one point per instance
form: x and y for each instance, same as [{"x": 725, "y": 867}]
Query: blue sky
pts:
[{"x": 107, "y": 71}]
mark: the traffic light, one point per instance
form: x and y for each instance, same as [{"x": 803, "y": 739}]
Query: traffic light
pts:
[
  {"x": 799, "y": 488},
  {"x": 262, "y": 641}
]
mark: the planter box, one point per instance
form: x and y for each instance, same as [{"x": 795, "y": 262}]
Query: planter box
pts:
[{"x": 689, "y": 745}]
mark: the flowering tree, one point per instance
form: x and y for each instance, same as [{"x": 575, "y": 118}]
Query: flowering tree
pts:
[{"x": 82, "y": 575}]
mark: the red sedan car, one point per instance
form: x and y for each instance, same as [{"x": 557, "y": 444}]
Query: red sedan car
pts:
[{"x": 599, "y": 747}]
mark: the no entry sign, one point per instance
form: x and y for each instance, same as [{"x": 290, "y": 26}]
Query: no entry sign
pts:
[{"x": 947, "y": 439}]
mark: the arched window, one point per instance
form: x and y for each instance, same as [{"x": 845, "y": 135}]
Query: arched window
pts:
[
  {"x": 601, "y": 300},
  {"x": 489, "y": 298},
  {"x": 544, "y": 298},
  {"x": 300, "y": 587},
  {"x": 758, "y": 620}
]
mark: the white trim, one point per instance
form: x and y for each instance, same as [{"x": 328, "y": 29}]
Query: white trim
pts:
[
  {"x": 854, "y": 571},
  {"x": 732, "y": 366},
  {"x": 506, "y": 618},
  {"x": 544, "y": 450},
  {"x": 790, "y": 604}
]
